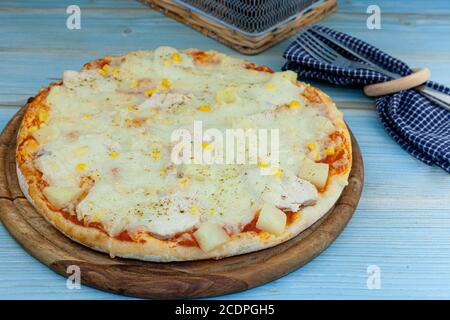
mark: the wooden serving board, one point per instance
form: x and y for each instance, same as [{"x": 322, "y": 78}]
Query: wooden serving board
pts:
[{"x": 163, "y": 280}]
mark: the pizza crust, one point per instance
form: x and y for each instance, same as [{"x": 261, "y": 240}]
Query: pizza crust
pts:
[{"x": 165, "y": 251}]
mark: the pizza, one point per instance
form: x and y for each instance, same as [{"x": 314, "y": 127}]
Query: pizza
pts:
[{"x": 97, "y": 158}]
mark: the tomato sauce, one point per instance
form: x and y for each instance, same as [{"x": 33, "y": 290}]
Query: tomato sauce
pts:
[
  {"x": 97, "y": 64},
  {"x": 124, "y": 236},
  {"x": 291, "y": 217},
  {"x": 204, "y": 57},
  {"x": 188, "y": 242},
  {"x": 251, "y": 226},
  {"x": 254, "y": 66},
  {"x": 97, "y": 225},
  {"x": 339, "y": 154},
  {"x": 71, "y": 217}
]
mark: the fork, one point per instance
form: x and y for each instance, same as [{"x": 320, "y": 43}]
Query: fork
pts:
[{"x": 322, "y": 52}]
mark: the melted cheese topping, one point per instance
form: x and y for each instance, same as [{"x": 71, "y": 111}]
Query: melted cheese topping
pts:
[{"x": 112, "y": 127}]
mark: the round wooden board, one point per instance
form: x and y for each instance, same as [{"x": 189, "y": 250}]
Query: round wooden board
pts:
[{"x": 164, "y": 280}]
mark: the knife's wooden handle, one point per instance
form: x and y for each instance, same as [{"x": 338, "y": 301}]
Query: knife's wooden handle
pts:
[{"x": 411, "y": 81}]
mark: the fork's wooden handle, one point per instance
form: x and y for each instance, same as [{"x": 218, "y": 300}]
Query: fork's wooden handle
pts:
[{"x": 411, "y": 81}]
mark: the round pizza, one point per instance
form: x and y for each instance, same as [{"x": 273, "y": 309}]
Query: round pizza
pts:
[{"x": 170, "y": 155}]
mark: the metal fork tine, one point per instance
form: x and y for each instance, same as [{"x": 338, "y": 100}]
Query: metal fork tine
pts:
[
  {"x": 311, "y": 51},
  {"x": 319, "y": 42},
  {"x": 313, "y": 54},
  {"x": 335, "y": 42},
  {"x": 319, "y": 47},
  {"x": 365, "y": 64},
  {"x": 302, "y": 41}
]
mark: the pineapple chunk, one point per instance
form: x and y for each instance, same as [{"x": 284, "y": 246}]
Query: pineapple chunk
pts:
[
  {"x": 45, "y": 134},
  {"x": 210, "y": 235},
  {"x": 271, "y": 219},
  {"x": 61, "y": 196},
  {"x": 316, "y": 173}
]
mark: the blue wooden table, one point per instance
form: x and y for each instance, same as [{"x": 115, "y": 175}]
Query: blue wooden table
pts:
[{"x": 402, "y": 225}]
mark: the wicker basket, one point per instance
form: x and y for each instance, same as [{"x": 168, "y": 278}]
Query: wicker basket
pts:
[{"x": 248, "y": 26}]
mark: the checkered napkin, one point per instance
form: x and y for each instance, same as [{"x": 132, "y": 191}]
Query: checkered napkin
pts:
[{"x": 421, "y": 127}]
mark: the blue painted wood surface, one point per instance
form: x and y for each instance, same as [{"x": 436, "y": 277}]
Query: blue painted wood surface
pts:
[{"x": 402, "y": 224}]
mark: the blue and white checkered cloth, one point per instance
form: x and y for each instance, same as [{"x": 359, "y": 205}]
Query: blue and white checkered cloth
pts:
[{"x": 421, "y": 127}]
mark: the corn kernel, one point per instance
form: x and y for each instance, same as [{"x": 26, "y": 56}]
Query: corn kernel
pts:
[
  {"x": 81, "y": 167},
  {"x": 131, "y": 107},
  {"x": 176, "y": 57},
  {"x": 204, "y": 108},
  {"x": 150, "y": 92},
  {"x": 184, "y": 180},
  {"x": 312, "y": 146},
  {"x": 206, "y": 145},
  {"x": 165, "y": 83},
  {"x": 106, "y": 68},
  {"x": 329, "y": 151},
  {"x": 102, "y": 72},
  {"x": 194, "y": 210},
  {"x": 270, "y": 86},
  {"x": 133, "y": 84},
  {"x": 87, "y": 115},
  {"x": 277, "y": 172},
  {"x": 212, "y": 211},
  {"x": 155, "y": 154},
  {"x": 294, "y": 104},
  {"x": 114, "y": 154},
  {"x": 263, "y": 164}
]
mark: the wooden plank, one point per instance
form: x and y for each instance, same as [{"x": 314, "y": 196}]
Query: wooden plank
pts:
[
  {"x": 131, "y": 27},
  {"x": 52, "y": 4},
  {"x": 436, "y": 7},
  {"x": 58, "y": 48}
]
